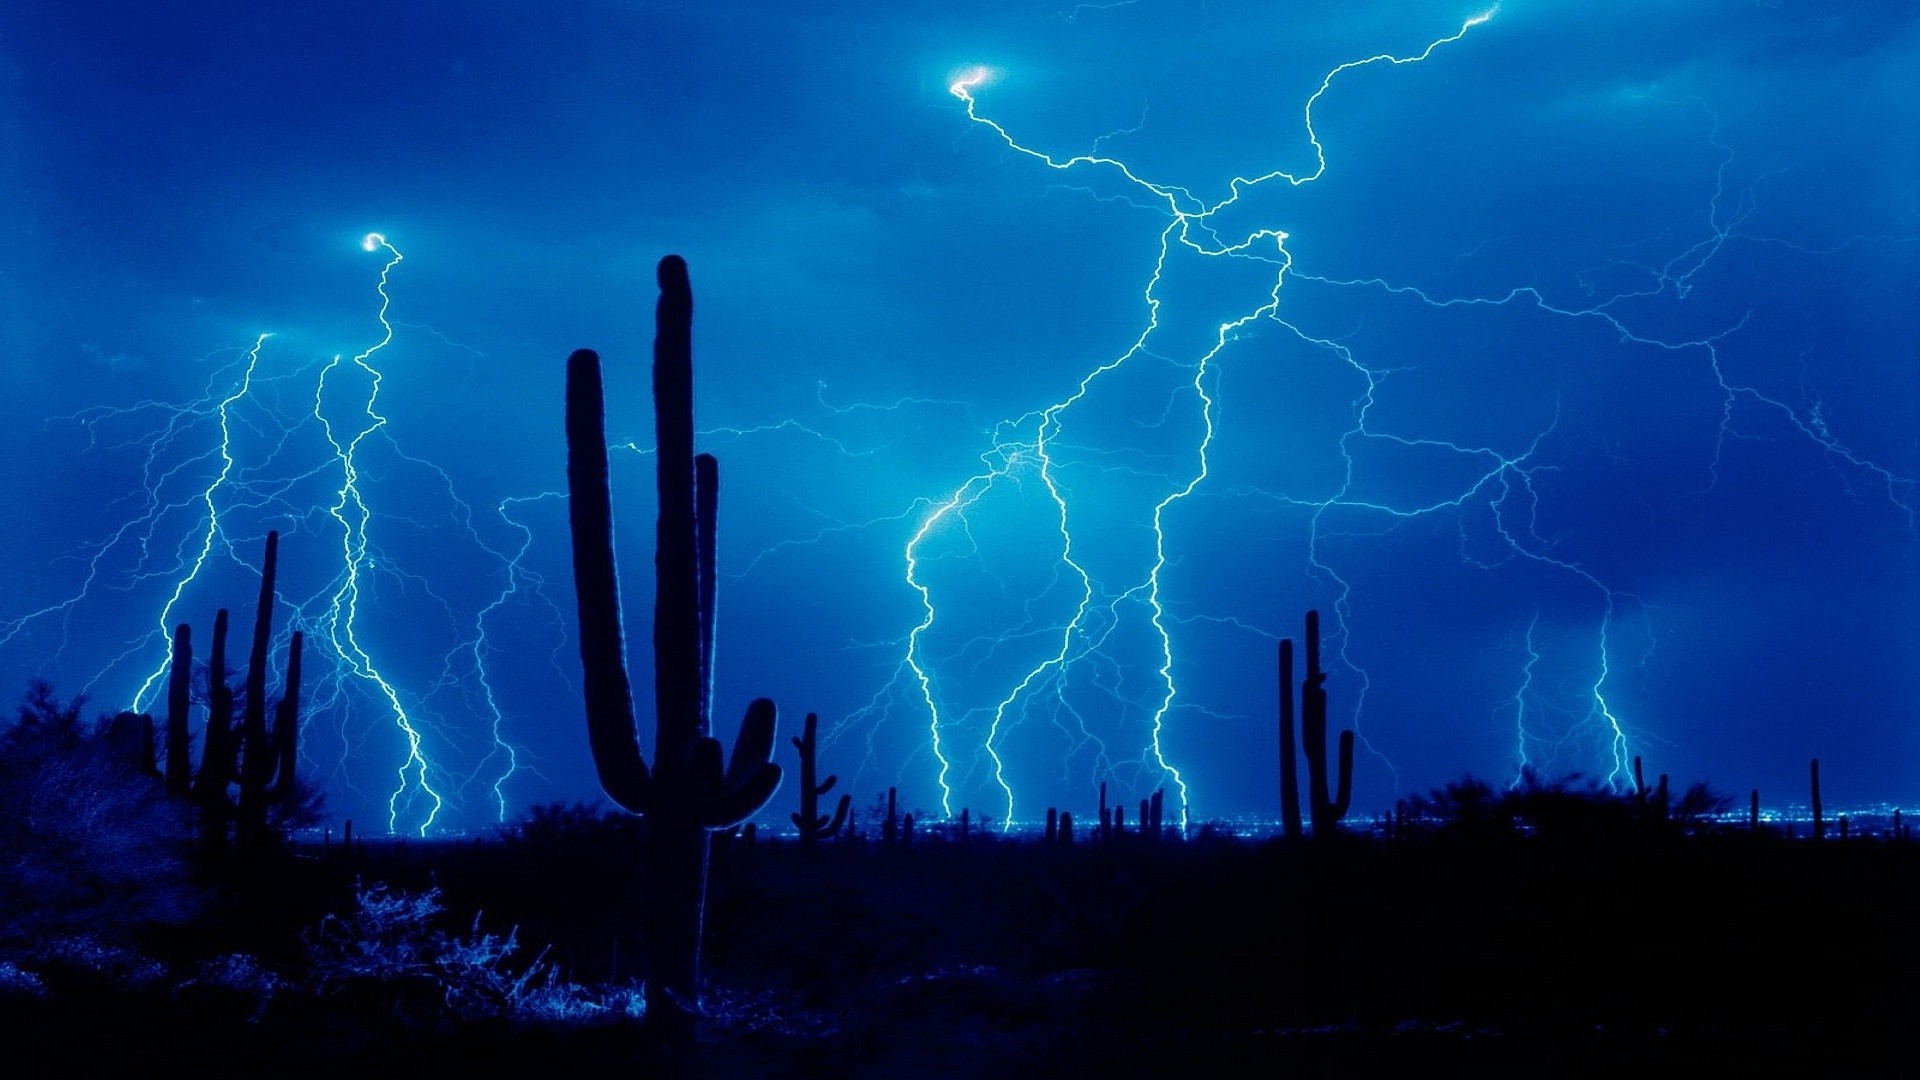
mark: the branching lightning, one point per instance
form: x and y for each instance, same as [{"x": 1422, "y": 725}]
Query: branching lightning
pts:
[
  {"x": 1295, "y": 409},
  {"x": 255, "y": 452},
  {"x": 1029, "y": 445},
  {"x": 1036, "y": 451}
]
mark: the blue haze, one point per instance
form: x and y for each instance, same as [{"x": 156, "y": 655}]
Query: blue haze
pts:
[{"x": 881, "y": 281}]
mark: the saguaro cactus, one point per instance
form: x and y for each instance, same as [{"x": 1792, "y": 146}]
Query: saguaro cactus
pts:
[
  {"x": 1819, "y": 809},
  {"x": 688, "y": 790},
  {"x": 216, "y": 749},
  {"x": 259, "y": 758},
  {"x": 179, "y": 701},
  {"x": 267, "y": 754},
  {"x": 809, "y": 820},
  {"x": 1289, "y": 765},
  {"x": 1327, "y": 807}
]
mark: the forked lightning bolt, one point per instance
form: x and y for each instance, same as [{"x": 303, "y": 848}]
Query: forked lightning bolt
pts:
[
  {"x": 1501, "y": 488},
  {"x": 1029, "y": 445},
  {"x": 252, "y": 454}
]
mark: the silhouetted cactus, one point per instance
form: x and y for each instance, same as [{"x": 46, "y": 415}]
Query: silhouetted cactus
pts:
[
  {"x": 689, "y": 789},
  {"x": 890, "y": 828},
  {"x": 812, "y": 824},
  {"x": 216, "y": 771},
  {"x": 1819, "y": 819},
  {"x": 267, "y": 755},
  {"x": 1327, "y": 807},
  {"x": 1655, "y": 805},
  {"x": 260, "y": 759},
  {"x": 1289, "y": 767},
  {"x": 179, "y": 771}
]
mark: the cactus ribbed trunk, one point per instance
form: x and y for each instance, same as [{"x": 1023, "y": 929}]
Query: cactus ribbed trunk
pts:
[
  {"x": 1289, "y": 766},
  {"x": 1819, "y": 815},
  {"x": 677, "y": 842},
  {"x": 179, "y": 703},
  {"x": 257, "y": 759},
  {"x": 686, "y": 792},
  {"x": 216, "y": 755},
  {"x": 706, "y": 499},
  {"x": 1327, "y": 807}
]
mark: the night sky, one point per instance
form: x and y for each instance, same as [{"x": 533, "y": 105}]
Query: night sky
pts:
[{"x": 1572, "y": 372}]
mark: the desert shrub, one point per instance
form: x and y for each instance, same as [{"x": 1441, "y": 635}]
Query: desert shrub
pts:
[
  {"x": 232, "y": 985},
  {"x": 394, "y": 954},
  {"x": 88, "y": 838}
]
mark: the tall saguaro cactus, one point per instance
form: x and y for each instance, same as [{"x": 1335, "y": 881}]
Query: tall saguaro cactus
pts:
[
  {"x": 259, "y": 758},
  {"x": 1327, "y": 806},
  {"x": 687, "y": 791},
  {"x": 1289, "y": 764},
  {"x": 216, "y": 750},
  {"x": 179, "y": 701}
]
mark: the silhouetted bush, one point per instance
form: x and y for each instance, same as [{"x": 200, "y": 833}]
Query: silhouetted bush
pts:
[
  {"x": 1567, "y": 809},
  {"x": 392, "y": 954},
  {"x": 88, "y": 838}
]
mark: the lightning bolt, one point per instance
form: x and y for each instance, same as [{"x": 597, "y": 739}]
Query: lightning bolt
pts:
[
  {"x": 1499, "y": 499},
  {"x": 292, "y": 446},
  {"x": 1190, "y": 226}
]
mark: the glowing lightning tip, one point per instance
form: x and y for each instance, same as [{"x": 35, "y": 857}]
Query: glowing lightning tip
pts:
[
  {"x": 374, "y": 241},
  {"x": 1483, "y": 16},
  {"x": 965, "y": 81}
]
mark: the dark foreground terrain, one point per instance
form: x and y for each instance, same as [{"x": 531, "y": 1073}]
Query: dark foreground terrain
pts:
[{"x": 1577, "y": 948}]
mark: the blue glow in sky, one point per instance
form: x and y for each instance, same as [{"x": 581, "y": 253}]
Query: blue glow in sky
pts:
[{"x": 1567, "y": 360}]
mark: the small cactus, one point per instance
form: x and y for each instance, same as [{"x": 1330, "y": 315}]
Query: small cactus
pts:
[
  {"x": 814, "y": 825},
  {"x": 1819, "y": 817}
]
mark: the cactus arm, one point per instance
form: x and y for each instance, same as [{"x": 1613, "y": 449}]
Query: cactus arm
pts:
[
  {"x": 751, "y": 777},
  {"x": 706, "y": 497},
  {"x": 730, "y": 807},
  {"x": 1326, "y": 808},
  {"x": 609, "y": 694},
  {"x": 753, "y": 747},
  {"x": 830, "y": 826}
]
